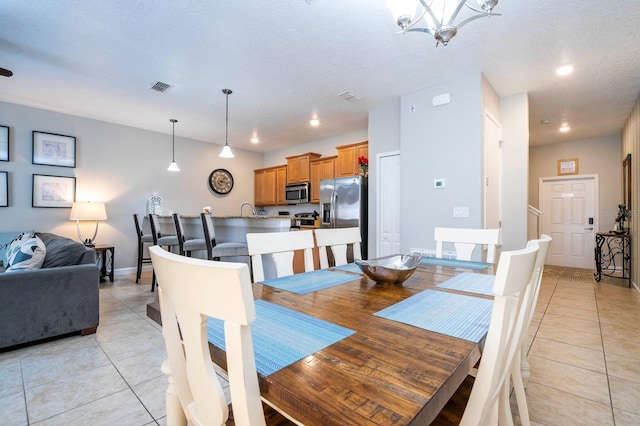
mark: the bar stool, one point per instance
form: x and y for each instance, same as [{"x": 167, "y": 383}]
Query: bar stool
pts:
[
  {"x": 187, "y": 244},
  {"x": 142, "y": 239},
  {"x": 217, "y": 250},
  {"x": 160, "y": 240}
]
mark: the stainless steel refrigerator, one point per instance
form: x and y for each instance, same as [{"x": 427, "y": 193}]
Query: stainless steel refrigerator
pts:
[{"x": 343, "y": 204}]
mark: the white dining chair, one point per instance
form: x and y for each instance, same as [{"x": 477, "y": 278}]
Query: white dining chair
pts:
[
  {"x": 520, "y": 366},
  {"x": 466, "y": 240},
  {"x": 488, "y": 403},
  {"x": 280, "y": 246},
  {"x": 337, "y": 240},
  {"x": 190, "y": 290}
]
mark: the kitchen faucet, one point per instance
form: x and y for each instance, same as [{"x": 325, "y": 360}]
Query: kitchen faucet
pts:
[{"x": 253, "y": 209}]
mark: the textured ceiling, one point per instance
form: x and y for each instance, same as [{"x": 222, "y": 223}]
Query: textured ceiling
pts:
[{"x": 288, "y": 60}]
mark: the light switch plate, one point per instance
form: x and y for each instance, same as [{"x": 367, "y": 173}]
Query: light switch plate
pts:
[{"x": 461, "y": 212}]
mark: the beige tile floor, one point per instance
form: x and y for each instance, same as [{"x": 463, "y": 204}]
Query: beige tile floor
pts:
[{"x": 584, "y": 356}]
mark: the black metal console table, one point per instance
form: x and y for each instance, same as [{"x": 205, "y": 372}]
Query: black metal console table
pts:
[{"x": 613, "y": 255}]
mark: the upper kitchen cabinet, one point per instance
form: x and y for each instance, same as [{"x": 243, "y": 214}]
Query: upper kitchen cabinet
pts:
[
  {"x": 321, "y": 168},
  {"x": 269, "y": 186},
  {"x": 298, "y": 167},
  {"x": 347, "y": 161}
]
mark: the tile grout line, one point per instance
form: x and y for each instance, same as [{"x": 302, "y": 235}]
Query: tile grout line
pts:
[{"x": 604, "y": 355}]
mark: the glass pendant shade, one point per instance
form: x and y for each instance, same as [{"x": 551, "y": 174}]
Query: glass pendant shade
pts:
[
  {"x": 226, "y": 152},
  {"x": 173, "y": 167}
]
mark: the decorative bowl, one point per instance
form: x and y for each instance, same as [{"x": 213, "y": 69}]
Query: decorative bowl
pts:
[{"x": 390, "y": 270}]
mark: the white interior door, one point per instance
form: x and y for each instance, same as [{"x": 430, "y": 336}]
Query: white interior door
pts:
[
  {"x": 492, "y": 172},
  {"x": 388, "y": 220},
  {"x": 568, "y": 215}
]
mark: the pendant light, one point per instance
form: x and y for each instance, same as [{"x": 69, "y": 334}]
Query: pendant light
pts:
[
  {"x": 173, "y": 167},
  {"x": 226, "y": 149}
]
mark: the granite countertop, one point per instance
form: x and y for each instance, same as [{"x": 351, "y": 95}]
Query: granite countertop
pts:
[
  {"x": 253, "y": 217},
  {"x": 190, "y": 216}
]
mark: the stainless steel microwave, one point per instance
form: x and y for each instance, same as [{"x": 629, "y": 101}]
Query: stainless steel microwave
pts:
[{"x": 297, "y": 193}]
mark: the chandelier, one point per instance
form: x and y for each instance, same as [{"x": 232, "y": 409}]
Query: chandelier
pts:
[{"x": 438, "y": 15}]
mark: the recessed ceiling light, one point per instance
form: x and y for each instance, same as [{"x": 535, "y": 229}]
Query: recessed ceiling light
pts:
[
  {"x": 254, "y": 139},
  {"x": 565, "y": 128},
  {"x": 314, "y": 122},
  {"x": 564, "y": 70}
]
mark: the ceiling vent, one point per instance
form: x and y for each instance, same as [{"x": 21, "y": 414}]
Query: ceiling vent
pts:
[
  {"x": 160, "y": 86},
  {"x": 350, "y": 96}
]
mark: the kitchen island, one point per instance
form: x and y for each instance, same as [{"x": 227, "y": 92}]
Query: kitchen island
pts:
[
  {"x": 228, "y": 228},
  {"x": 231, "y": 229}
]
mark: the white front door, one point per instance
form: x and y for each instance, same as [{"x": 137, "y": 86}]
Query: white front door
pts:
[
  {"x": 568, "y": 216},
  {"x": 388, "y": 182}
]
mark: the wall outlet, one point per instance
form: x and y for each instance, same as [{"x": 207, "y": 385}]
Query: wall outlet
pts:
[{"x": 461, "y": 212}]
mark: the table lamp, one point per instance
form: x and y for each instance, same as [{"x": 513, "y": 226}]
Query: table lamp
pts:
[{"x": 86, "y": 210}]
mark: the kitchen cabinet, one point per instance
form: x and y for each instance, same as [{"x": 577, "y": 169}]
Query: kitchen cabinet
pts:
[
  {"x": 298, "y": 167},
  {"x": 269, "y": 186},
  {"x": 281, "y": 182},
  {"x": 347, "y": 161},
  {"x": 321, "y": 168}
]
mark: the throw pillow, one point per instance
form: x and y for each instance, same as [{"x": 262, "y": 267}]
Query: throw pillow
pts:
[
  {"x": 15, "y": 245},
  {"x": 30, "y": 255},
  {"x": 6, "y": 238}
]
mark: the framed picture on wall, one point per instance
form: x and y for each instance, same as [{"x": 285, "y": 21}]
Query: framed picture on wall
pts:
[
  {"x": 568, "y": 166},
  {"x": 4, "y": 143},
  {"x": 53, "y": 191},
  {"x": 4, "y": 189},
  {"x": 54, "y": 150}
]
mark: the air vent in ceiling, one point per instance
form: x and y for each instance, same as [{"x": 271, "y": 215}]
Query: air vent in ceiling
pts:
[
  {"x": 160, "y": 86},
  {"x": 350, "y": 96}
]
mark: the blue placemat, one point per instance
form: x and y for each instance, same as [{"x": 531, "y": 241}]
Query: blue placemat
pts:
[
  {"x": 471, "y": 283},
  {"x": 309, "y": 281},
  {"x": 456, "y": 315},
  {"x": 282, "y": 336},
  {"x": 349, "y": 267},
  {"x": 455, "y": 263}
]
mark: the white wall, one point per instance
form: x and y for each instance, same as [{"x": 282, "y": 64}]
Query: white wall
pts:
[
  {"x": 384, "y": 136},
  {"x": 515, "y": 170},
  {"x": 121, "y": 166},
  {"x": 601, "y": 156},
  {"x": 440, "y": 142}
]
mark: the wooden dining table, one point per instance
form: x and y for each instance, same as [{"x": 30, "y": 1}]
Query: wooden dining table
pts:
[{"x": 386, "y": 373}]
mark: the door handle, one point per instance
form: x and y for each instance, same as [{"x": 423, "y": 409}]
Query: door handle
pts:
[{"x": 589, "y": 229}]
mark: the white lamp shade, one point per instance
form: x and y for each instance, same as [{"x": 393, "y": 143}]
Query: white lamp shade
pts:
[
  {"x": 226, "y": 152},
  {"x": 86, "y": 210},
  {"x": 173, "y": 167}
]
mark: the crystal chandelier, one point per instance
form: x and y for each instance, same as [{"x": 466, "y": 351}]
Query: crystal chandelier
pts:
[{"x": 439, "y": 15}]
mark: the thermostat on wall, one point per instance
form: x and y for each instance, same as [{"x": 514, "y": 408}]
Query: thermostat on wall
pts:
[{"x": 439, "y": 183}]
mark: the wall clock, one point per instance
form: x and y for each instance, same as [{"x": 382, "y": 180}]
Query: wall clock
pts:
[{"x": 221, "y": 181}]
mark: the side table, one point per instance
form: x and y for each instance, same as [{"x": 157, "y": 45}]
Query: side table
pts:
[
  {"x": 613, "y": 255},
  {"x": 105, "y": 256}
]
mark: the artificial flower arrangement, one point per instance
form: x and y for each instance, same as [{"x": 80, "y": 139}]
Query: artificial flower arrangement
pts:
[{"x": 363, "y": 161}]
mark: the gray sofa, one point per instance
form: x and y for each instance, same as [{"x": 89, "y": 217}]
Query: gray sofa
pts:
[{"x": 60, "y": 298}]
